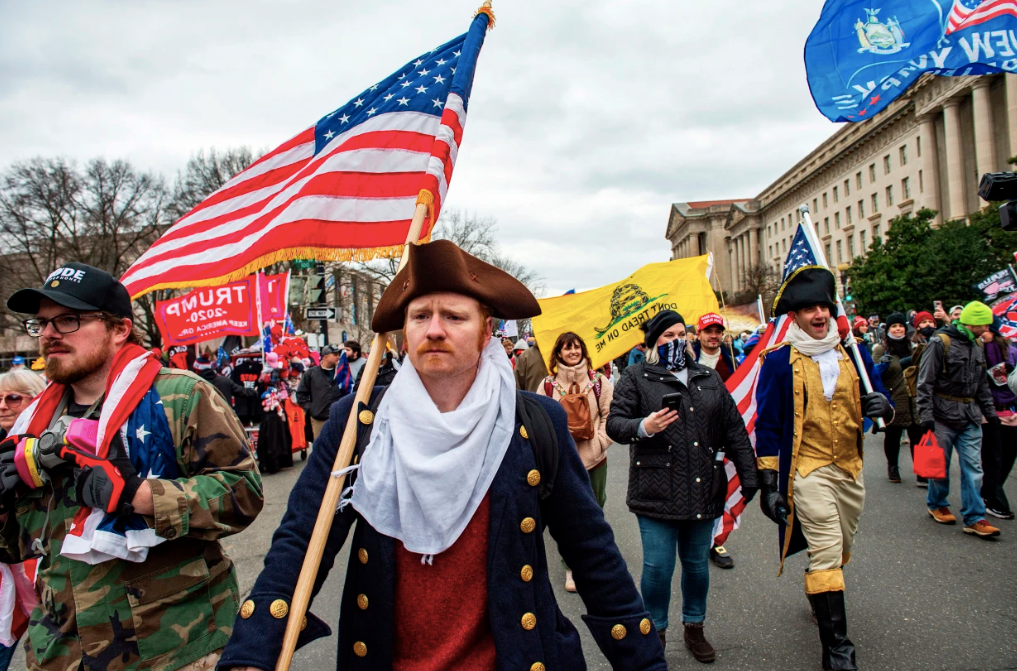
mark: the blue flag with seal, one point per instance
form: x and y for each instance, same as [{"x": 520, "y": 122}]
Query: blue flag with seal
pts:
[{"x": 863, "y": 54}]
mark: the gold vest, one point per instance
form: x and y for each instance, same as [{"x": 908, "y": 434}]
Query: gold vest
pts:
[{"x": 831, "y": 430}]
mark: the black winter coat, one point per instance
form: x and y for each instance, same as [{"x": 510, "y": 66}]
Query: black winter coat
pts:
[
  {"x": 317, "y": 392},
  {"x": 676, "y": 474},
  {"x": 227, "y": 387}
]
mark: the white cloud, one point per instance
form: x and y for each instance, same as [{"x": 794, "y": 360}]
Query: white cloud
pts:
[{"x": 587, "y": 120}]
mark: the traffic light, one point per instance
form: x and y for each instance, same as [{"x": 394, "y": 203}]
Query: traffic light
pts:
[
  {"x": 296, "y": 296},
  {"x": 316, "y": 286}
]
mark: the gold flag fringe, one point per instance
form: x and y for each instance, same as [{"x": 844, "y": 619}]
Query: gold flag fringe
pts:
[
  {"x": 342, "y": 255},
  {"x": 486, "y": 9}
]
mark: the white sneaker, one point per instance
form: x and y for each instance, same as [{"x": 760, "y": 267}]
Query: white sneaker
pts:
[{"x": 570, "y": 584}]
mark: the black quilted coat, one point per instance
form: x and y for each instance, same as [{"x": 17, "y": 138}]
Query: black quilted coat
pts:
[{"x": 676, "y": 475}]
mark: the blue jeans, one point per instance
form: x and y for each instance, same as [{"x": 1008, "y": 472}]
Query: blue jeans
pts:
[
  {"x": 693, "y": 541},
  {"x": 6, "y": 654},
  {"x": 968, "y": 443}
]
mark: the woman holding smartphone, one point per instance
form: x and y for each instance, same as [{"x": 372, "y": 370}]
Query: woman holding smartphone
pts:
[{"x": 681, "y": 422}]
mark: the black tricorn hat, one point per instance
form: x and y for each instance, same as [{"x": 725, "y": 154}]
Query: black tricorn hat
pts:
[
  {"x": 805, "y": 287},
  {"x": 441, "y": 266}
]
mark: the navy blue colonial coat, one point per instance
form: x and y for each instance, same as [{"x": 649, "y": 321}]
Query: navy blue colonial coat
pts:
[
  {"x": 616, "y": 616},
  {"x": 778, "y": 423}
]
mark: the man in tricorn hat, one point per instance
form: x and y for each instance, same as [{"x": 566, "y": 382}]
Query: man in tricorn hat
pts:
[
  {"x": 810, "y": 409},
  {"x": 451, "y": 492}
]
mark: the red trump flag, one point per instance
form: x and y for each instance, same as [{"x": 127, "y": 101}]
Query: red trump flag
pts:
[{"x": 209, "y": 313}]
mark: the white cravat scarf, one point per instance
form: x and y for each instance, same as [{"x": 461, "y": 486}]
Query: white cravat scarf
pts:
[
  {"x": 824, "y": 352},
  {"x": 425, "y": 472}
]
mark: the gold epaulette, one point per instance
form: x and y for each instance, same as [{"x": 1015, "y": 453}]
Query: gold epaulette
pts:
[{"x": 762, "y": 355}]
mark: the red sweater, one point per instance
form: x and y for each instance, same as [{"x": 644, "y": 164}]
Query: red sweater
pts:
[{"x": 452, "y": 590}]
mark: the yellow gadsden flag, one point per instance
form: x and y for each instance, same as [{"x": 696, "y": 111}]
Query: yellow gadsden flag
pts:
[{"x": 608, "y": 318}]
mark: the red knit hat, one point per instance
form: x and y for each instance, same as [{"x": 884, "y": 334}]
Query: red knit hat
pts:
[
  {"x": 859, "y": 321},
  {"x": 920, "y": 317},
  {"x": 709, "y": 319}
]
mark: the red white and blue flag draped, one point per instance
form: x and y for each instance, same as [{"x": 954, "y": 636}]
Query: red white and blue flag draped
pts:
[
  {"x": 344, "y": 189},
  {"x": 742, "y": 386}
]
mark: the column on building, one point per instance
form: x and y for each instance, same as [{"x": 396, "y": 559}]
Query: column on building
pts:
[
  {"x": 955, "y": 177},
  {"x": 736, "y": 269},
  {"x": 694, "y": 239},
  {"x": 731, "y": 263},
  {"x": 985, "y": 147},
  {"x": 930, "y": 167},
  {"x": 753, "y": 247},
  {"x": 1011, "y": 110}
]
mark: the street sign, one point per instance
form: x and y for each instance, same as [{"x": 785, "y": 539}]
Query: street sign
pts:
[{"x": 319, "y": 313}]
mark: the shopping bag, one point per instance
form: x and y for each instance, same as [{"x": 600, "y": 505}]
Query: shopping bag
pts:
[{"x": 930, "y": 460}]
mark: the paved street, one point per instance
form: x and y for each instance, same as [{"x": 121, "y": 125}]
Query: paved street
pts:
[{"x": 920, "y": 595}]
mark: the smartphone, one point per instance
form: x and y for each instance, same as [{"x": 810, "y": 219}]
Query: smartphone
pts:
[
  {"x": 671, "y": 402},
  {"x": 937, "y": 305}
]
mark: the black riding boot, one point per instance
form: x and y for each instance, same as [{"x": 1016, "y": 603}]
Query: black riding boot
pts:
[{"x": 838, "y": 650}]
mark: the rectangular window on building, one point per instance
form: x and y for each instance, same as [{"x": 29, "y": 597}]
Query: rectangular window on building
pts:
[
  {"x": 875, "y": 203},
  {"x": 918, "y": 146},
  {"x": 861, "y": 239},
  {"x": 851, "y": 248},
  {"x": 875, "y": 233},
  {"x": 781, "y": 223},
  {"x": 826, "y": 225},
  {"x": 886, "y": 164},
  {"x": 905, "y": 188},
  {"x": 861, "y": 208},
  {"x": 904, "y": 155},
  {"x": 825, "y": 203},
  {"x": 840, "y": 252},
  {"x": 836, "y": 220},
  {"x": 921, "y": 182},
  {"x": 848, "y": 213},
  {"x": 784, "y": 245},
  {"x": 872, "y": 173},
  {"x": 828, "y": 252},
  {"x": 847, "y": 188},
  {"x": 815, "y": 206},
  {"x": 889, "y": 196},
  {"x": 835, "y": 198},
  {"x": 858, "y": 181},
  {"x": 771, "y": 250}
]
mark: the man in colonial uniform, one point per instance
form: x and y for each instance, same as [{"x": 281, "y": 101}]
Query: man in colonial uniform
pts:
[
  {"x": 810, "y": 407},
  {"x": 450, "y": 498}
]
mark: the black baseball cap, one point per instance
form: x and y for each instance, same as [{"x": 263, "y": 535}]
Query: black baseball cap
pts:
[
  {"x": 79, "y": 287},
  {"x": 329, "y": 349}
]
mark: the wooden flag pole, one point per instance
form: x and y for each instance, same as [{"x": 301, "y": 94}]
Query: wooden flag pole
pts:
[{"x": 330, "y": 501}]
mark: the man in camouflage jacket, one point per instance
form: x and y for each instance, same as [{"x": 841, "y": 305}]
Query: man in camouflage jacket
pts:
[{"x": 176, "y": 608}]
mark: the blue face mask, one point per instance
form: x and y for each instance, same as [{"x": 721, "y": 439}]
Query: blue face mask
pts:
[{"x": 672, "y": 354}]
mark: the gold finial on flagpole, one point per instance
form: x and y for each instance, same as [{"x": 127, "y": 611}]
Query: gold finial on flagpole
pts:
[{"x": 486, "y": 9}]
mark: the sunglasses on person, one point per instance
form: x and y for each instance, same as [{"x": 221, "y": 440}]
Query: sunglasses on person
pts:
[
  {"x": 13, "y": 400},
  {"x": 63, "y": 324}
]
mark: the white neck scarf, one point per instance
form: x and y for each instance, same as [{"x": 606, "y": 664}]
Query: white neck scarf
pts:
[
  {"x": 425, "y": 472},
  {"x": 824, "y": 352}
]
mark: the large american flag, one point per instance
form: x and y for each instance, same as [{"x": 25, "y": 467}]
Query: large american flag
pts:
[
  {"x": 968, "y": 13},
  {"x": 742, "y": 386},
  {"x": 346, "y": 188}
]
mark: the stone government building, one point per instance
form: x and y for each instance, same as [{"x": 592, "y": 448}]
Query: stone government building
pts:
[{"x": 929, "y": 148}]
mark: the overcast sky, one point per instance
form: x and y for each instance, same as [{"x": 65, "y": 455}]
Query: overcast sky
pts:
[{"x": 587, "y": 120}]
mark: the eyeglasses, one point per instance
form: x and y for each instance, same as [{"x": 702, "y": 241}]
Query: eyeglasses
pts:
[
  {"x": 62, "y": 324},
  {"x": 13, "y": 400}
]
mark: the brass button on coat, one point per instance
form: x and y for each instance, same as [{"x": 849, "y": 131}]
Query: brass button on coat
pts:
[
  {"x": 362, "y": 555},
  {"x": 365, "y": 416},
  {"x": 362, "y": 601},
  {"x": 522, "y": 432},
  {"x": 533, "y": 478},
  {"x": 360, "y": 649},
  {"x": 526, "y": 574},
  {"x": 247, "y": 610},
  {"x": 528, "y": 525},
  {"x": 537, "y": 666},
  {"x": 618, "y": 632},
  {"x": 529, "y": 621},
  {"x": 279, "y": 609},
  {"x": 644, "y": 626}
]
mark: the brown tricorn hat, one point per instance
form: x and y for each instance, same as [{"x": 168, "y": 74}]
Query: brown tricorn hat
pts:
[{"x": 440, "y": 266}]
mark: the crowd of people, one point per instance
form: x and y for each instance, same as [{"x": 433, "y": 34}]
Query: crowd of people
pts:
[{"x": 117, "y": 456}]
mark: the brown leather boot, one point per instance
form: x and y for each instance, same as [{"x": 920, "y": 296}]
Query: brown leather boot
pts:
[
  {"x": 663, "y": 637},
  {"x": 695, "y": 640}
]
